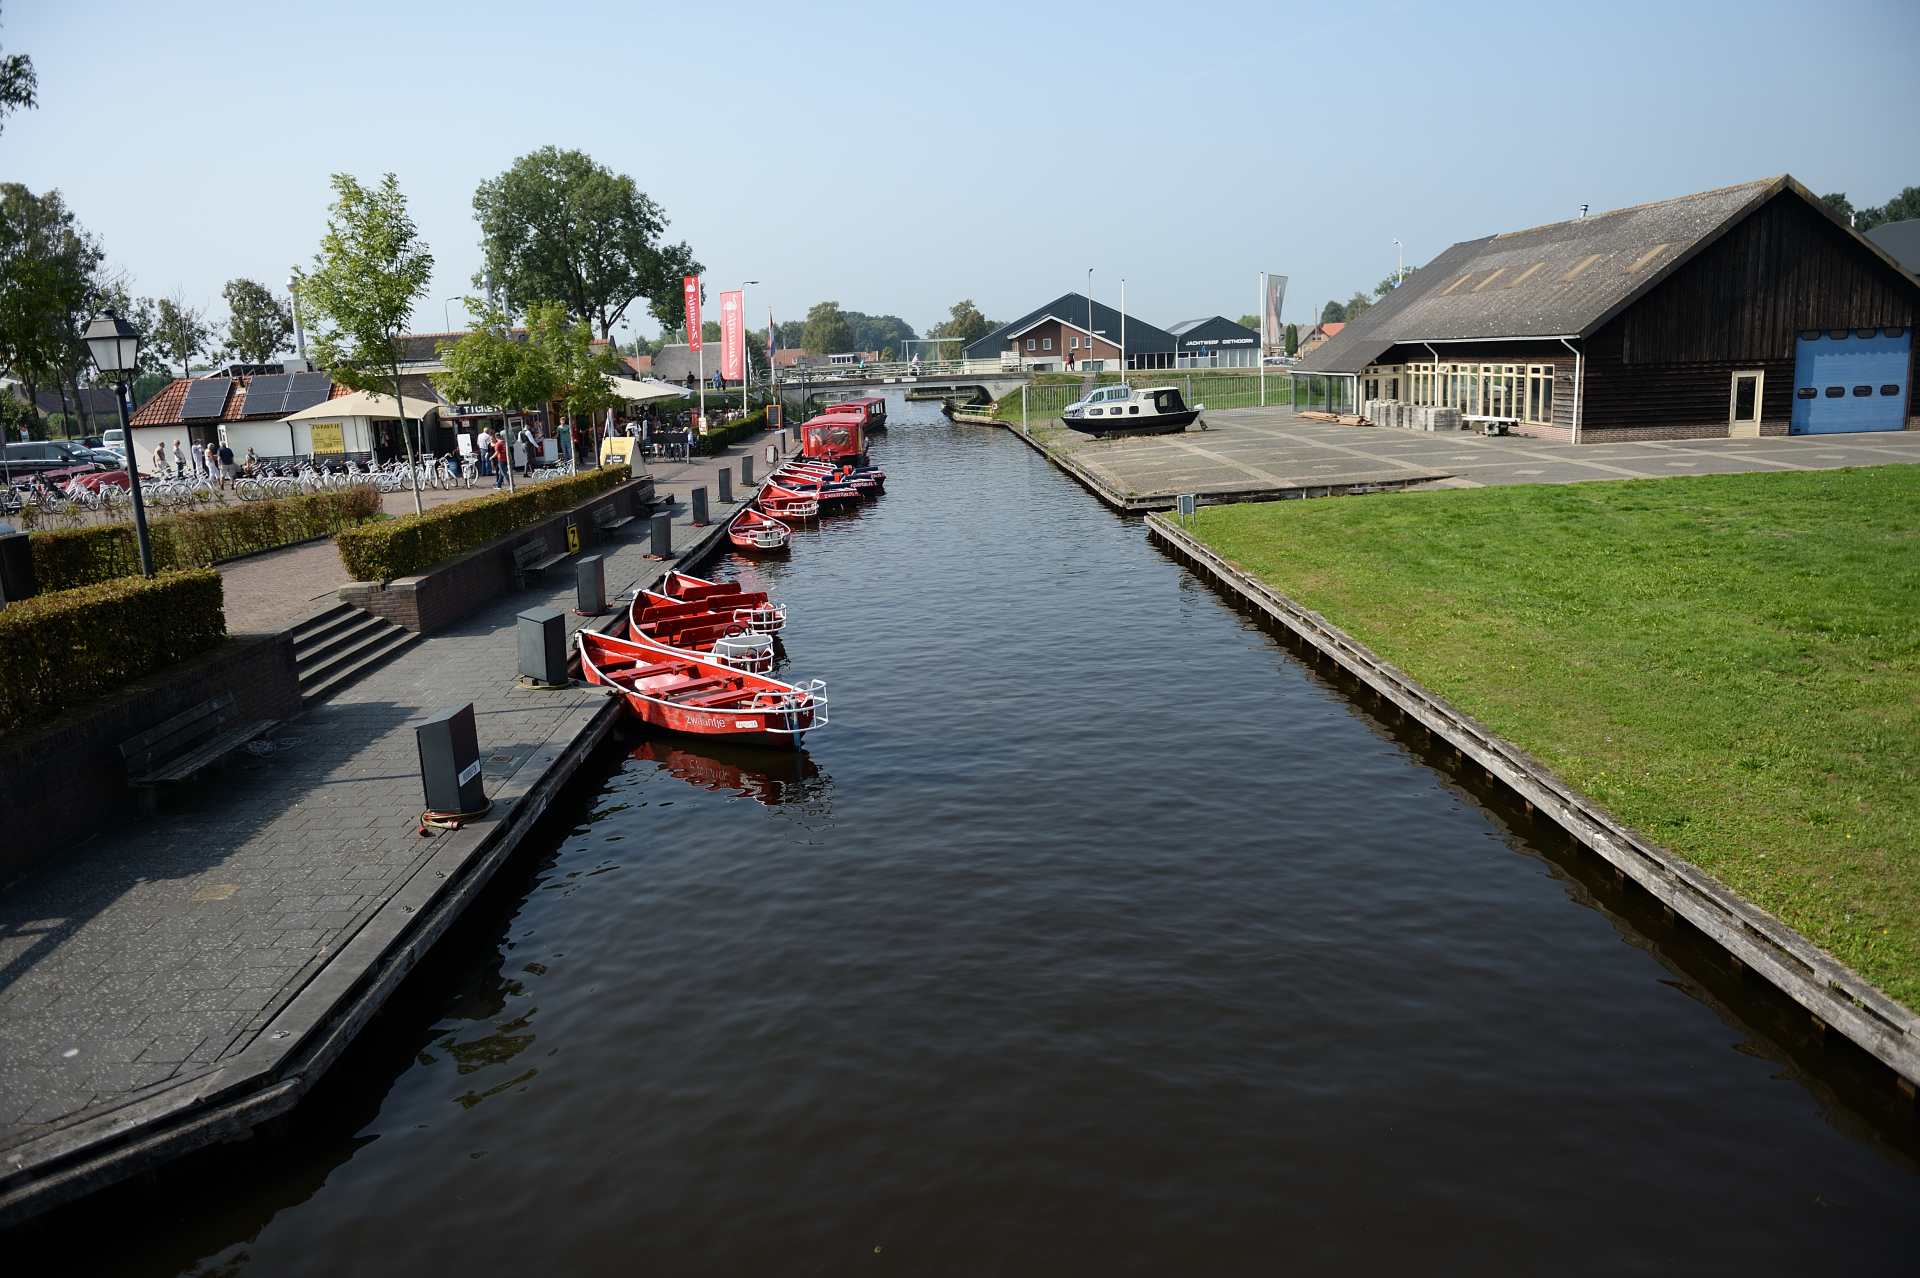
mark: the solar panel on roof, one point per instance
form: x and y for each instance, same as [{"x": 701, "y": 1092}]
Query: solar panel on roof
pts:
[
  {"x": 267, "y": 394},
  {"x": 307, "y": 390},
  {"x": 205, "y": 398}
]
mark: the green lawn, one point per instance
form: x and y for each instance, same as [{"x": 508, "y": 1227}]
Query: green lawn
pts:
[
  {"x": 1216, "y": 388},
  {"x": 1730, "y": 664}
]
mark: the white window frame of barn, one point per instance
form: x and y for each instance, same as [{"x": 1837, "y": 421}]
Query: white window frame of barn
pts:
[
  {"x": 1538, "y": 409},
  {"x": 1030, "y": 344}
]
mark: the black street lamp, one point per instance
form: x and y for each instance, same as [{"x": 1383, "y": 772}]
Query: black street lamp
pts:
[{"x": 115, "y": 348}]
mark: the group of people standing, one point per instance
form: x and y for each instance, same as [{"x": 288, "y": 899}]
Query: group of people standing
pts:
[
  {"x": 212, "y": 462},
  {"x": 672, "y": 434},
  {"x": 490, "y": 451}
]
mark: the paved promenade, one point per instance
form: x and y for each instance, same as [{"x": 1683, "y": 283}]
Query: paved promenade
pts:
[
  {"x": 1257, "y": 450},
  {"x": 148, "y": 958}
]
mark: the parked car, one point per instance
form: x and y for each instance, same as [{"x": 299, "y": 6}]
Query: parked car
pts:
[
  {"x": 108, "y": 457},
  {"x": 1281, "y": 361},
  {"x": 116, "y": 439},
  {"x": 55, "y": 459}
]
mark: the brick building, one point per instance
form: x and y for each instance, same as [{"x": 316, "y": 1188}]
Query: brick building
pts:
[{"x": 1042, "y": 339}]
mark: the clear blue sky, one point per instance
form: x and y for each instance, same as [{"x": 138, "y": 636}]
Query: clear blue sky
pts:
[{"x": 895, "y": 161}]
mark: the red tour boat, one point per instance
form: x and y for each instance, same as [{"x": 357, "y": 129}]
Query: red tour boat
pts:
[
  {"x": 833, "y": 437},
  {"x": 683, "y": 692},
  {"x": 870, "y": 409},
  {"x": 751, "y": 530}
]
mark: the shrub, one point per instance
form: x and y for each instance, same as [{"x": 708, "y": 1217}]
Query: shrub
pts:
[
  {"x": 719, "y": 437},
  {"x": 59, "y": 649},
  {"x": 69, "y": 557},
  {"x": 414, "y": 543}
]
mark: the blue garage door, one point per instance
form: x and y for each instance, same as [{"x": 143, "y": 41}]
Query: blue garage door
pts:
[{"x": 1851, "y": 379}]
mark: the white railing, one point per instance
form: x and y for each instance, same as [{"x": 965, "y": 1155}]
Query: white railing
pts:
[{"x": 895, "y": 370}]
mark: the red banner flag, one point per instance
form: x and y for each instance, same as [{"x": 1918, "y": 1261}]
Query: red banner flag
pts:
[
  {"x": 692, "y": 286},
  {"x": 733, "y": 337}
]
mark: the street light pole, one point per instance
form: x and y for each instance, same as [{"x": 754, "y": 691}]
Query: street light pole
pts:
[
  {"x": 1399, "y": 263},
  {"x": 115, "y": 348},
  {"x": 1089, "y": 306}
]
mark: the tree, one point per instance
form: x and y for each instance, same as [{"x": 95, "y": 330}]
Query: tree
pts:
[
  {"x": 827, "y": 331},
  {"x": 1293, "y": 339},
  {"x": 180, "y": 331},
  {"x": 709, "y": 330},
  {"x": 878, "y": 332},
  {"x": 965, "y": 322},
  {"x": 1840, "y": 206},
  {"x": 1901, "y": 207},
  {"x": 1356, "y": 304},
  {"x": 495, "y": 366},
  {"x": 18, "y": 85},
  {"x": 559, "y": 227},
  {"x": 371, "y": 268},
  {"x": 580, "y": 369},
  {"x": 1392, "y": 282},
  {"x": 1333, "y": 313},
  {"x": 1249, "y": 321},
  {"x": 49, "y": 276},
  {"x": 259, "y": 325}
]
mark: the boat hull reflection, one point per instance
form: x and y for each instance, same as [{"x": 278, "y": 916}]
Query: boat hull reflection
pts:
[{"x": 772, "y": 779}]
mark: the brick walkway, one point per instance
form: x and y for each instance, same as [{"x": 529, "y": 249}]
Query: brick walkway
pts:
[{"x": 151, "y": 955}]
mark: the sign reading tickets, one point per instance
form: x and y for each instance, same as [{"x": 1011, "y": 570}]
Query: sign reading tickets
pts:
[
  {"x": 691, "y": 286},
  {"x": 733, "y": 334},
  {"x": 328, "y": 438}
]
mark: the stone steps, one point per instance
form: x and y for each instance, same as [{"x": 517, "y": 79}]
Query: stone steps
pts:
[{"x": 338, "y": 646}]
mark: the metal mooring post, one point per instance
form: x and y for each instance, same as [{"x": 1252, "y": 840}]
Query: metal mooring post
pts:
[
  {"x": 746, "y": 470},
  {"x": 450, "y": 762},
  {"x": 662, "y": 538},
  {"x": 726, "y": 485},
  {"x": 543, "y": 647},
  {"x": 698, "y": 499},
  {"x": 590, "y": 592}
]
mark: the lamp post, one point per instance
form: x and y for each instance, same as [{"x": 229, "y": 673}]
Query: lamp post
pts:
[
  {"x": 746, "y": 356},
  {"x": 446, "y": 316},
  {"x": 1089, "y": 304},
  {"x": 115, "y": 349},
  {"x": 299, "y": 335},
  {"x": 1399, "y": 263}
]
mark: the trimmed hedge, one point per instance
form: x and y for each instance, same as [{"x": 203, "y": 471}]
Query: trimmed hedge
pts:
[
  {"x": 70, "y": 557},
  {"x": 412, "y": 544},
  {"x": 59, "y": 649},
  {"x": 715, "y": 440}
]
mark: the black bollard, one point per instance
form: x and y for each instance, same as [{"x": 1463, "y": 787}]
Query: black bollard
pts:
[
  {"x": 591, "y": 590},
  {"x": 16, "y": 568},
  {"x": 698, "y": 499},
  {"x": 543, "y": 645},
  {"x": 746, "y": 470},
  {"x": 450, "y": 761},
  {"x": 726, "y": 486},
  {"x": 662, "y": 537}
]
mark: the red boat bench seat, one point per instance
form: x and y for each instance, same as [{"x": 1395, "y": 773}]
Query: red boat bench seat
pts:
[
  {"x": 713, "y": 700},
  {"x": 679, "y": 690}
]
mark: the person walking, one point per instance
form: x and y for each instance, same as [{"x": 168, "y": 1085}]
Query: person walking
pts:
[
  {"x": 210, "y": 458},
  {"x": 483, "y": 450},
  {"x": 527, "y": 443},
  {"x": 160, "y": 460},
  {"x": 227, "y": 468},
  {"x": 1069, "y": 361},
  {"x": 500, "y": 462}
]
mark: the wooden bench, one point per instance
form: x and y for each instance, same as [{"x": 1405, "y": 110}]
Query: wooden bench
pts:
[
  {"x": 188, "y": 743},
  {"x": 608, "y": 519},
  {"x": 532, "y": 557}
]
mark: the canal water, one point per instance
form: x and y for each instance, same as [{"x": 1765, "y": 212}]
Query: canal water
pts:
[{"x": 1097, "y": 935}]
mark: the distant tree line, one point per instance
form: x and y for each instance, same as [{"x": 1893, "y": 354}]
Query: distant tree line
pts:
[{"x": 1899, "y": 209}]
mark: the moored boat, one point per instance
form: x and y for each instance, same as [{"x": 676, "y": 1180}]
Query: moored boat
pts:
[
  {"x": 785, "y": 503},
  {"x": 750, "y": 608},
  {"x": 679, "y": 691},
  {"x": 870, "y": 409},
  {"x": 700, "y": 627},
  {"x": 754, "y": 530},
  {"x": 834, "y": 437},
  {"x": 1139, "y": 410}
]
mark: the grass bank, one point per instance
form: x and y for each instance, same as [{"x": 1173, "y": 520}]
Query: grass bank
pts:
[
  {"x": 1730, "y": 663},
  {"x": 1048, "y": 393}
]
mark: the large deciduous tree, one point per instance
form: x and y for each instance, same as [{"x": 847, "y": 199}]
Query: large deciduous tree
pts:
[
  {"x": 965, "y": 322},
  {"x": 495, "y": 366},
  {"x": 259, "y": 324},
  {"x": 827, "y": 331},
  {"x": 49, "y": 277},
  {"x": 1333, "y": 313},
  {"x": 371, "y": 269},
  {"x": 180, "y": 331},
  {"x": 559, "y": 227}
]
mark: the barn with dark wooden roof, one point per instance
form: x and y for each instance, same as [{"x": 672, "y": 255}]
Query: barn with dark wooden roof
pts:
[{"x": 1748, "y": 310}]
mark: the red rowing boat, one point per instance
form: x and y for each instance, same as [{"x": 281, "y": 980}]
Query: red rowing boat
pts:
[
  {"x": 699, "y": 627},
  {"x": 681, "y": 692},
  {"x": 751, "y": 608},
  {"x": 785, "y": 503},
  {"x": 752, "y": 530}
]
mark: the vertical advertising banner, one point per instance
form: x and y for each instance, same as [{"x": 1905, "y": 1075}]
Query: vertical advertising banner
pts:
[
  {"x": 733, "y": 337},
  {"x": 691, "y": 284},
  {"x": 1271, "y": 329}
]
